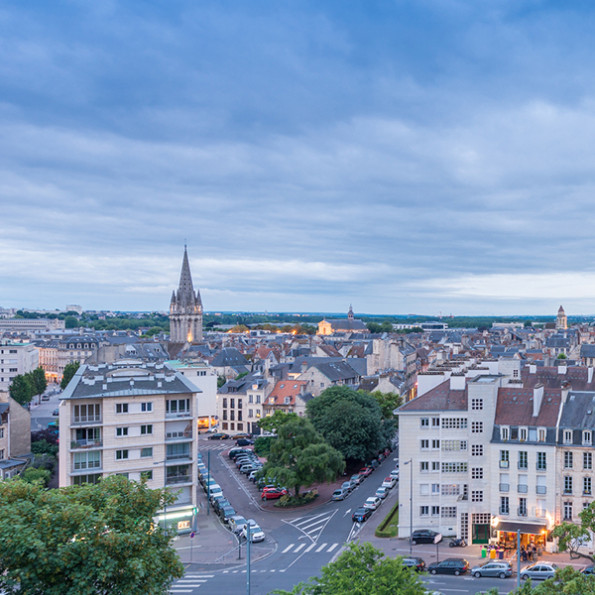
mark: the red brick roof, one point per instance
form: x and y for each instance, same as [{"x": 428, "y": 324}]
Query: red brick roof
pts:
[{"x": 285, "y": 388}]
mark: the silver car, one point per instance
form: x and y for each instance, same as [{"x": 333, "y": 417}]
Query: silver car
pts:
[
  {"x": 539, "y": 571},
  {"x": 499, "y": 569}
]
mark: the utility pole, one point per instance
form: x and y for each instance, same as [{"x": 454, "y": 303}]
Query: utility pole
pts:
[{"x": 248, "y": 539}]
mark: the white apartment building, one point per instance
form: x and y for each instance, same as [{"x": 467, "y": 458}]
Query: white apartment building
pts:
[
  {"x": 135, "y": 419},
  {"x": 16, "y": 358}
]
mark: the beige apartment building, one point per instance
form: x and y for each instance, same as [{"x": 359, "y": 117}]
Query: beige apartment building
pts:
[
  {"x": 16, "y": 358},
  {"x": 134, "y": 419}
]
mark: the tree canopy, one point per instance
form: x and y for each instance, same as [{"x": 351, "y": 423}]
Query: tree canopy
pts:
[
  {"x": 25, "y": 386},
  {"x": 299, "y": 456},
  {"x": 571, "y": 536},
  {"x": 350, "y": 421},
  {"x": 84, "y": 539},
  {"x": 361, "y": 570},
  {"x": 69, "y": 371}
]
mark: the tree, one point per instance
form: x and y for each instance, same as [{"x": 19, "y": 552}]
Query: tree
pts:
[
  {"x": 97, "y": 539},
  {"x": 571, "y": 536},
  {"x": 69, "y": 371},
  {"x": 388, "y": 402},
  {"x": 38, "y": 381},
  {"x": 299, "y": 456},
  {"x": 71, "y": 322},
  {"x": 361, "y": 570},
  {"x": 562, "y": 356},
  {"x": 220, "y": 381},
  {"x": 568, "y": 581},
  {"x": 271, "y": 423},
  {"x": 32, "y": 474},
  {"x": 21, "y": 389},
  {"x": 351, "y": 422}
]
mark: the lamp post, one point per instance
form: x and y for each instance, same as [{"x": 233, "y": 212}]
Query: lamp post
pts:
[{"x": 410, "y": 462}]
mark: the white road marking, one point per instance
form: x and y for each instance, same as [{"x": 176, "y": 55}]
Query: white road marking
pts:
[
  {"x": 309, "y": 548},
  {"x": 299, "y": 547},
  {"x": 287, "y": 548},
  {"x": 330, "y": 549},
  {"x": 321, "y": 547}
]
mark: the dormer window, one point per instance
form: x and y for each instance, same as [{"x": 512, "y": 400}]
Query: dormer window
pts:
[
  {"x": 541, "y": 434},
  {"x": 523, "y": 433},
  {"x": 567, "y": 437},
  {"x": 587, "y": 438},
  {"x": 504, "y": 433}
]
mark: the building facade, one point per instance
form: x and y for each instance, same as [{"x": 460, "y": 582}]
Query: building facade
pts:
[{"x": 16, "y": 358}]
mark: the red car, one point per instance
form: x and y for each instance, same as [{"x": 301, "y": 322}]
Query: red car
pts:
[
  {"x": 273, "y": 493},
  {"x": 365, "y": 471}
]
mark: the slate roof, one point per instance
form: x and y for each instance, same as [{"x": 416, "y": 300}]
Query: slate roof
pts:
[
  {"x": 229, "y": 356},
  {"x": 575, "y": 378},
  {"x": 440, "y": 398},
  {"x": 336, "y": 371},
  {"x": 514, "y": 407},
  {"x": 588, "y": 350},
  {"x": 579, "y": 411},
  {"x": 345, "y": 324}
]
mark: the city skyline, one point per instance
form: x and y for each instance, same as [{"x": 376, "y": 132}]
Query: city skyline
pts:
[{"x": 404, "y": 157}]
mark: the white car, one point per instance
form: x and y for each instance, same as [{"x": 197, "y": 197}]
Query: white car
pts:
[
  {"x": 395, "y": 473},
  {"x": 382, "y": 492},
  {"x": 389, "y": 482},
  {"x": 373, "y": 502},
  {"x": 256, "y": 533}
]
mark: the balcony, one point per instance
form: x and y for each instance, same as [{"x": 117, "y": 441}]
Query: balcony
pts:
[
  {"x": 504, "y": 487},
  {"x": 522, "y": 512},
  {"x": 179, "y": 456},
  {"x": 178, "y": 415},
  {"x": 567, "y": 492},
  {"x": 504, "y": 464},
  {"x": 177, "y": 479},
  {"x": 522, "y": 488},
  {"x": 540, "y": 489},
  {"x": 85, "y": 443},
  {"x": 178, "y": 436},
  {"x": 86, "y": 419}
]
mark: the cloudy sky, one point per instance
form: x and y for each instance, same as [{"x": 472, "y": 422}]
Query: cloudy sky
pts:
[{"x": 403, "y": 156}]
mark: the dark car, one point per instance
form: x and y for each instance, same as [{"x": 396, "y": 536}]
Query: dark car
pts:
[
  {"x": 236, "y": 452},
  {"x": 226, "y": 513},
  {"x": 56, "y": 412},
  {"x": 588, "y": 570},
  {"x": 425, "y": 536},
  {"x": 454, "y": 566},
  {"x": 361, "y": 514},
  {"x": 244, "y": 442},
  {"x": 415, "y": 563},
  {"x": 218, "y": 436},
  {"x": 242, "y": 435}
]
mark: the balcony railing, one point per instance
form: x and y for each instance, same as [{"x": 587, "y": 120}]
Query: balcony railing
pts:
[
  {"x": 522, "y": 465},
  {"x": 86, "y": 419},
  {"x": 504, "y": 487},
  {"x": 177, "y": 414},
  {"x": 540, "y": 489},
  {"x": 504, "y": 511},
  {"x": 567, "y": 491},
  {"x": 522, "y": 512},
  {"x": 86, "y": 443},
  {"x": 170, "y": 436},
  {"x": 541, "y": 467},
  {"x": 178, "y": 455},
  {"x": 173, "y": 479},
  {"x": 522, "y": 488}
]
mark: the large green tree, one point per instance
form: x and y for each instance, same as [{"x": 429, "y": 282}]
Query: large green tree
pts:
[
  {"x": 567, "y": 581},
  {"x": 69, "y": 371},
  {"x": 362, "y": 570},
  {"x": 299, "y": 456},
  {"x": 21, "y": 389},
  {"x": 572, "y": 537},
  {"x": 351, "y": 422},
  {"x": 38, "y": 380},
  {"x": 96, "y": 539}
]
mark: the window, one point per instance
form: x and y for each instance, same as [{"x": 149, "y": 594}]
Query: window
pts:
[
  {"x": 250, "y": 412},
  {"x": 225, "y": 403},
  {"x": 146, "y": 429},
  {"x": 435, "y": 422},
  {"x": 87, "y": 413},
  {"x": 541, "y": 461},
  {"x": 435, "y": 444},
  {"x": 435, "y": 466},
  {"x": 424, "y": 466},
  {"x": 454, "y": 445},
  {"x": 523, "y": 459},
  {"x": 146, "y": 452},
  {"x": 587, "y": 460},
  {"x": 435, "y": 510},
  {"x": 121, "y": 431},
  {"x": 476, "y": 495},
  {"x": 504, "y": 482},
  {"x": 504, "y": 505},
  {"x": 587, "y": 436},
  {"x": 424, "y": 510},
  {"x": 121, "y": 407},
  {"x": 587, "y": 485},
  {"x": 504, "y": 459},
  {"x": 425, "y": 422},
  {"x": 476, "y": 472},
  {"x": 178, "y": 406},
  {"x": 448, "y": 512},
  {"x": 567, "y": 460},
  {"x": 435, "y": 488},
  {"x": 477, "y": 450},
  {"x": 504, "y": 433},
  {"x": 541, "y": 434},
  {"x": 567, "y": 511},
  {"x": 476, "y": 427},
  {"x": 522, "y": 488},
  {"x": 1, "y": 432},
  {"x": 232, "y": 403},
  {"x": 522, "y": 506},
  {"x": 146, "y": 407},
  {"x": 87, "y": 460},
  {"x": 454, "y": 423},
  {"x": 424, "y": 489},
  {"x": 523, "y": 433},
  {"x": 477, "y": 404},
  {"x": 454, "y": 467},
  {"x": 146, "y": 475},
  {"x": 258, "y": 399},
  {"x": 450, "y": 489},
  {"x": 121, "y": 454},
  {"x": 567, "y": 437},
  {"x": 568, "y": 484},
  {"x": 425, "y": 444}
]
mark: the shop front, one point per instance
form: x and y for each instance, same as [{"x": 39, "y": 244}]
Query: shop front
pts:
[{"x": 533, "y": 535}]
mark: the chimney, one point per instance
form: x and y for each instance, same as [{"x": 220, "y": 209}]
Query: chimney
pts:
[
  {"x": 589, "y": 374},
  {"x": 537, "y": 399},
  {"x": 457, "y": 382}
]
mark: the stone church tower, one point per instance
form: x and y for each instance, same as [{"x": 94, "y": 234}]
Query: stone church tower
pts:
[
  {"x": 561, "y": 320},
  {"x": 185, "y": 309}
]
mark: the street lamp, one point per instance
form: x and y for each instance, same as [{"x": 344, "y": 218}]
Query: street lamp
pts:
[{"x": 410, "y": 462}]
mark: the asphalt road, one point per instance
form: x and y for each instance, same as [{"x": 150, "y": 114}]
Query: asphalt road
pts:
[{"x": 41, "y": 414}]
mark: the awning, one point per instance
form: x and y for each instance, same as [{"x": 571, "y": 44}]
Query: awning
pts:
[{"x": 513, "y": 527}]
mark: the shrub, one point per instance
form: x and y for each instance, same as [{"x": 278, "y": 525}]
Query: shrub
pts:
[{"x": 31, "y": 475}]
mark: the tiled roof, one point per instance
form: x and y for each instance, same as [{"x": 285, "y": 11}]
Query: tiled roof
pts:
[
  {"x": 440, "y": 398},
  {"x": 514, "y": 407}
]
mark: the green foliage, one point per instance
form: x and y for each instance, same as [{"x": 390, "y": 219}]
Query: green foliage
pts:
[
  {"x": 71, "y": 322},
  {"x": 571, "y": 536},
  {"x": 388, "y": 402},
  {"x": 21, "y": 389},
  {"x": 272, "y": 423},
  {"x": 155, "y": 330},
  {"x": 299, "y": 456},
  {"x": 220, "y": 381},
  {"x": 262, "y": 445},
  {"x": 567, "y": 581},
  {"x": 69, "y": 371},
  {"x": 389, "y": 527},
  {"x": 362, "y": 570},
  {"x": 380, "y": 327},
  {"x": 44, "y": 447},
  {"x": 84, "y": 539},
  {"x": 562, "y": 356},
  {"x": 351, "y": 422},
  {"x": 241, "y": 375},
  {"x": 289, "y": 500},
  {"x": 38, "y": 381},
  {"x": 31, "y": 475}
]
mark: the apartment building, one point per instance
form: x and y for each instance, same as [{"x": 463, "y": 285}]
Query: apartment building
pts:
[
  {"x": 56, "y": 354},
  {"x": 16, "y": 358},
  {"x": 15, "y": 437},
  {"x": 134, "y": 419}
]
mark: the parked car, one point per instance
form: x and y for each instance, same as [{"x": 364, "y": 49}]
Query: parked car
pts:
[
  {"x": 425, "y": 536},
  {"x": 274, "y": 494},
  {"x": 256, "y": 533},
  {"x": 357, "y": 478},
  {"x": 347, "y": 485},
  {"x": 493, "y": 568},
  {"x": 244, "y": 442},
  {"x": 339, "y": 494},
  {"x": 56, "y": 412},
  {"x": 365, "y": 471},
  {"x": 236, "y": 452},
  {"x": 454, "y": 566},
  {"x": 226, "y": 513},
  {"x": 218, "y": 436},
  {"x": 373, "y": 502},
  {"x": 242, "y": 435},
  {"x": 538, "y": 571},
  {"x": 45, "y": 397},
  {"x": 389, "y": 482},
  {"x": 588, "y": 570},
  {"x": 381, "y": 493},
  {"x": 394, "y": 474},
  {"x": 417, "y": 563},
  {"x": 236, "y": 523},
  {"x": 361, "y": 514},
  {"x": 219, "y": 502}
]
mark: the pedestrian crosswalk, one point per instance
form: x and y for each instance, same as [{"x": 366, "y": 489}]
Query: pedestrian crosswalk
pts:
[
  {"x": 190, "y": 582},
  {"x": 304, "y": 548},
  {"x": 312, "y": 525}
]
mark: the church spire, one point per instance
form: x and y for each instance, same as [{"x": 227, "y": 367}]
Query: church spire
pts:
[{"x": 185, "y": 286}]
